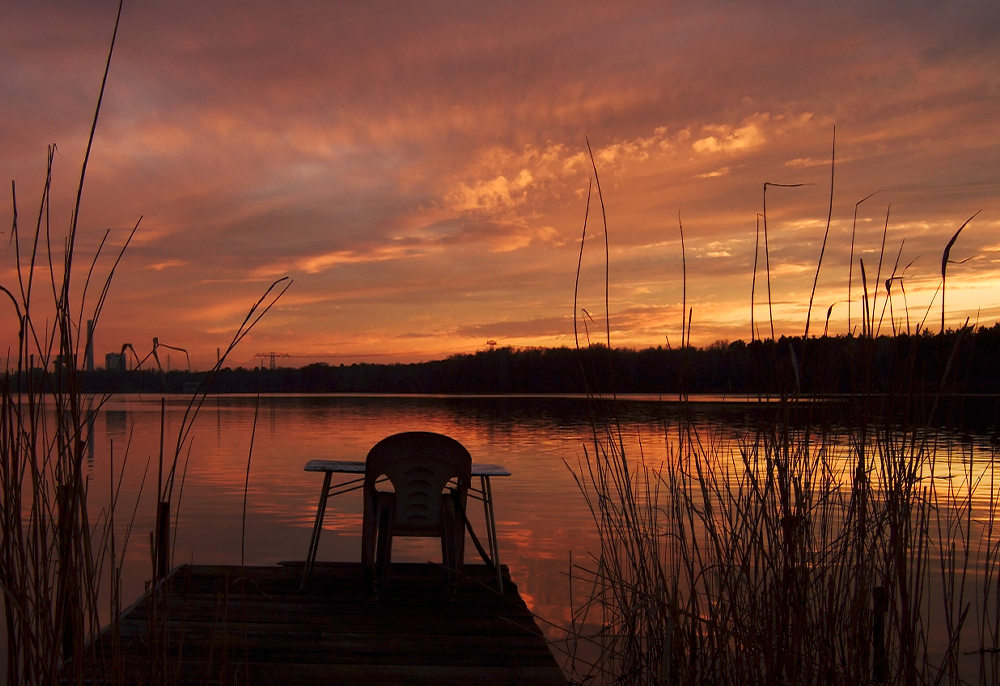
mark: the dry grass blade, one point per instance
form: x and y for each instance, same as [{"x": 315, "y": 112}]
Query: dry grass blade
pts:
[
  {"x": 269, "y": 299},
  {"x": 878, "y": 275},
  {"x": 767, "y": 252},
  {"x": 826, "y": 233},
  {"x": 753, "y": 280},
  {"x": 579, "y": 266},
  {"x": 829, "y": 313},
  {"x": 945, "y": 261},
  {"x": 607, "y": 249},
  {"x": 850, "y": 260},
  {"x": 866, "y": 327},
  {"x": 74, "y": 220}
]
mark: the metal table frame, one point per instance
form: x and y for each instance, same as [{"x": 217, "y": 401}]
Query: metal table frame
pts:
[{"x": 357, "y": 467}]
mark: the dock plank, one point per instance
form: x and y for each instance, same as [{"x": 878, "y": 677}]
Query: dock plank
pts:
[{"x": 253, "y": 625}]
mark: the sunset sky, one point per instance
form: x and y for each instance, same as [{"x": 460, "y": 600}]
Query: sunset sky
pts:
[{"x": 420, "y": 170}]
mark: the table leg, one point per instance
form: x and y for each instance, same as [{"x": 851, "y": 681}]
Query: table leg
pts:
[
  {"x": 491, "y": 528},
  {"x": 317, "y": 529}
]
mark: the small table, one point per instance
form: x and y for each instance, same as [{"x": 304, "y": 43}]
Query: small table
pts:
[{"x": 357, "y": 467}]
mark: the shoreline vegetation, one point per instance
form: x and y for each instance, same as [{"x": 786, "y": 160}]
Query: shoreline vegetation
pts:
[
  {"x": 789, "y": 365},
  {"x": 62, "y": 552},
  {"x": 957, "y": 372},
  {"x": 811, "y": 551},
  {"x": 828, "y": 543},
  {"x": 806, "y": 549}
]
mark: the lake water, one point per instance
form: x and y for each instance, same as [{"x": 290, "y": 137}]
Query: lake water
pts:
[
  {"x": 542, "y": 518},
  {"x": 540, "y": 513}
]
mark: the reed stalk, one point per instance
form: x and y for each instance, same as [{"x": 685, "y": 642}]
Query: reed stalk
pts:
[
  {"x": 850, "y": 261},
  {"x": 822, "y": 543},
  {"x": 52, "y": 556},
  {"x": 761, "y": 557},
  {"x": 61, "y": 554}
]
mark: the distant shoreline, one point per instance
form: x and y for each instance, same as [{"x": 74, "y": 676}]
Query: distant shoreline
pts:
[{"x": 910, "y": 367}]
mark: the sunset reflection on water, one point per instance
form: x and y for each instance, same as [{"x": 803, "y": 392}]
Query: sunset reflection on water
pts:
[
  {"x": 543, "y": 520},
  {"x": 541, "y": 515}
]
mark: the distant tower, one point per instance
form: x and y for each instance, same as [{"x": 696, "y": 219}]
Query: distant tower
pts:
[{"x": 89, "y": 363}]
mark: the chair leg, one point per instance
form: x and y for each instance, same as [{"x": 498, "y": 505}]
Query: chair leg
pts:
[
  {"x": 447, "y": 556},
  {"x": 369, "y": 537},
  {"x": 452, "y": 541},
  {"x": 385, "y": 509}
]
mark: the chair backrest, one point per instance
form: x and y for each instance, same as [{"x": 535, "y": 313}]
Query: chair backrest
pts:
[{"x": 419, "y": 464}]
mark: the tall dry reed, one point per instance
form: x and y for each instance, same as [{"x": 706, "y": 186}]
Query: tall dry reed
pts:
[
  {"x": 52, "y": 556},
  {"x": 61, "y": 553},
  {"x": 801, "y": 549},
  {"x": 824, "y": 542}
]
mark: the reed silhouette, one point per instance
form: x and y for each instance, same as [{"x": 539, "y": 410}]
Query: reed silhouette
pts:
[
  {"x": 60, "y": 563},
  {"x": 824, "y": 543}
]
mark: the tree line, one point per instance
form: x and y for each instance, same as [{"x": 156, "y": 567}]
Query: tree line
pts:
[{"x": 965, "y": 361}]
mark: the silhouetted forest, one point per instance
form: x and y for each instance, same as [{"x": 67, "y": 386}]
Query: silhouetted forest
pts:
[
  {"x": 961, "y": 367},
  {"x": 957, "y": 362}
]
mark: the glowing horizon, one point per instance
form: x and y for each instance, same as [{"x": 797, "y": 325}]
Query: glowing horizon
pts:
[{"x": 421, "y": 174}]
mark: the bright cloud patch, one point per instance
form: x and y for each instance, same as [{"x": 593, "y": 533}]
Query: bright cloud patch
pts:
[
  {"x": 504, "y": 179},
  {"x": 495, "y": 194},
  {"x": 517, "y": 240},
  {"x": 320, "y": 263},
  {"x": 718, "y": 249},
  {"x": 722, "y": 138},
  {"x": 167, "y": 264},
  {"x": 805, "y": 162},
  {"x": 714, "y": 174}
]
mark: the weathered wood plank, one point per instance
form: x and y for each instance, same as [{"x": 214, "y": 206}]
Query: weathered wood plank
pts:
[
  {"x": 344, "y": 674},
  {"x": 254, "y": 625}
]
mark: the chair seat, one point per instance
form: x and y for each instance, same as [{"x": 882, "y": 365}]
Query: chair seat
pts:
[{"x": 430, "y": 475}]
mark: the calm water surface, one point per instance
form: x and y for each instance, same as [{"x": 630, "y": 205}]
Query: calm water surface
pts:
[{"x": 542, "y": 517}]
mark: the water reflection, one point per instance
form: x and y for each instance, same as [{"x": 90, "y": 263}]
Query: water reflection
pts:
[
  {"x": 540, "y": 514},
  {"x": 542, "y": 517}
]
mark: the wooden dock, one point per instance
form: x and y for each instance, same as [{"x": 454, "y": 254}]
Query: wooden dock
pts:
[{"x": 253, "y": 625}]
